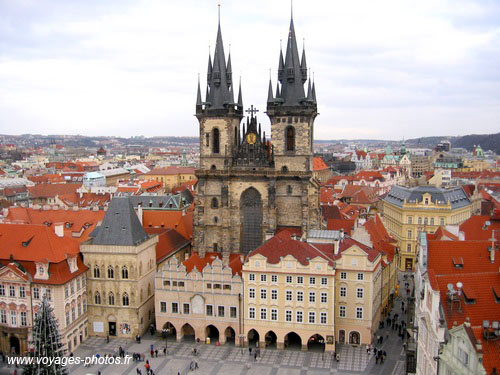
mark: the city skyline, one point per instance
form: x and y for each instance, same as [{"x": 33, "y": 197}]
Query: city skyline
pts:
[{"x": 131, "y": 68}]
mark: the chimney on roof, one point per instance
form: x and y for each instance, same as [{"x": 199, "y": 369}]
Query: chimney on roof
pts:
[
  {"x": 467, "y": 321},
  {"x": 341, "y": 234},
  {"x": 59, "y": 229}
]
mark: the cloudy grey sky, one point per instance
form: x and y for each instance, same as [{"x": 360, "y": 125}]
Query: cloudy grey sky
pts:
[{"x": 384, "y": 69}]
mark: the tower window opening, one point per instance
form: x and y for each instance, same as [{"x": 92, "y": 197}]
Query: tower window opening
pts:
[
  {"x": 215, "y": 141},
  {"x": 290, "y": 138}
]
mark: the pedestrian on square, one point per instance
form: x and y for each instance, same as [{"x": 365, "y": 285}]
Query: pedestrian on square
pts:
[
  {"x": 368, "y": 349},
  {"x": 376, "y": 360},
  {"x": 156, "y": 353},
  {"x": 249, "y": 351},
  {"x": 337, "y": 357},
  {"x": 165, "y": 351},
  {"x": 138, "y": 371}
]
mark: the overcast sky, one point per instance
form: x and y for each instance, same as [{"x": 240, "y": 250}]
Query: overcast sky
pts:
[{"x": 384, "y": 69}]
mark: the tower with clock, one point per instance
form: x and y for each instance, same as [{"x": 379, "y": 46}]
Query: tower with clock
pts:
[{"x": 250, "y": 186}]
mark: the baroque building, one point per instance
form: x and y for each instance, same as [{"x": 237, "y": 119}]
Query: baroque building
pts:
[{"x": 248, "y": 186}]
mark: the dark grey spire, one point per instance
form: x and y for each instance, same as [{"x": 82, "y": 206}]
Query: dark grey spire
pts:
[
  {"x": 209, "y": 69},
  {"x": 121, "y": 226},
  {"x": 229, "y": 72},
  {"x": 281, "y": 66},
  {"x": 240, "y": 97},
  {"x": 314, "y": 93},
  {"x": 303, "y": 65},
  {"x": 292, "y": 88},
  {"x": 277, "y": 90},
  {"x": 270, "y": 96},
  {"x": 198, "y": 94}
]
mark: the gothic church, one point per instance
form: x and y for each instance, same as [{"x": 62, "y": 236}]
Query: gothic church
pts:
[{"x": 249, "y": 186}]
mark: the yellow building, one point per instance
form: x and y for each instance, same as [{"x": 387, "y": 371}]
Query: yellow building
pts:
[
  {"x": 122, "y": 261},
  {"x": 289, "y": 294},
  {"x": 408, "y": 211},
  {"x": 170, "y": 177}
]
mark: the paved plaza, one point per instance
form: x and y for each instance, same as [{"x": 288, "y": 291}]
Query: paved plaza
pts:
[{"x": 228, "y": 359}]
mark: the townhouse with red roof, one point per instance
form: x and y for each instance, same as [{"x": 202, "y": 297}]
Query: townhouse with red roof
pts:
[
  {"x": 200, "y": 297},
  {"x": 457, "y": 308},
  {"x": 37, "y": 260}
]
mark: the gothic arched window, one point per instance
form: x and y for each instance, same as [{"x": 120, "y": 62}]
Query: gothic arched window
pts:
[
  {"x": 97, "y": 298},
  {"x": 111, "y": 273},
  {"x": 111, "y": 298},
  {"x": 290, "y": 138},
  {"x": 97, "y": 271},
  {"x": 125, "y": 299},
  {"x": 251, "y": 217},
  {"x": 124, "y": 272},
  {"x": 215, "y": 141}
]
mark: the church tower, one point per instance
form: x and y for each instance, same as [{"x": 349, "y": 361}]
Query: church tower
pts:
[
  {"x": 249, "y": 187},
  {"x": 292, "y": 111},
  {"x": 219, "y": 115}
]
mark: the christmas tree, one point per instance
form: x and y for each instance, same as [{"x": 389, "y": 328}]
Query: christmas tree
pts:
[{"x": 47, "y": 350}]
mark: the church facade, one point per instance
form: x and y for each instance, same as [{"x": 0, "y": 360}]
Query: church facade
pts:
[{"x": 249, "y": 186}]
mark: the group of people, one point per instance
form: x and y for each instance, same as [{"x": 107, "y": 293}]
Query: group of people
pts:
[
  {"x": 256, "y": 353},
  {"x": 149, "y": 370}
]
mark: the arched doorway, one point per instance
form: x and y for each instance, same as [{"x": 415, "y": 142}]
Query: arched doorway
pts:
[
  {"x": 168, "y": 331},
  {"x": 15, "y": 346},
  {"x": 341, "y": 336},
  {"x": 271, "y": 339},
  {"x": 253, "y": 337},
  {"x": 212, "y": 333},
  {"x": 230, "y": 335},
  {"x": 251, "y": 219},
  {"x": 293, "y": 341},
  {"x": 316, "y": 343},
  {"x": 187, "y": 333},
  {"x": 354, "y": 338}
]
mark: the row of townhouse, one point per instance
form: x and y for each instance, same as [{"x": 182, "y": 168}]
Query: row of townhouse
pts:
[{"x": 289, "y": 292}]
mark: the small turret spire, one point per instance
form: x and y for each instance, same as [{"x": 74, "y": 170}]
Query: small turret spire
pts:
[
  {"x": 198, "y": 94},
  {"x": 240, "y": 97},
  {"x": 270, "y": 96}
]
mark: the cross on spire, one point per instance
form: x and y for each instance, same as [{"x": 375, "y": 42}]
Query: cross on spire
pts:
[{"x": 252, "y": 110}]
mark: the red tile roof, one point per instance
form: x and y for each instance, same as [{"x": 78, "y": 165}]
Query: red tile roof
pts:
[
  {"x": 169, "y": 242},
  {"x": 28, "y": 244},
  {"x": 475, "y": 228},
  {"x": 330, "y": 212},
  {"x": 369, "y": 176},
  {"x": 47, "y": 179},
  {"x": 196, "y": 261},
  {"x": 474, "y": 253},
  {"x": 319, "y": 164},
  {"x": 85, "y": 200},
  {"x": 75, "y": 222},
  {"x": 170, "y": 219},
  {"x": 380, "y": 238},
  {"x": 441, "y": 234},
  {"x": 491, "y": 351},
  {"x": 360, "y": 194},
  {"x": 338, "y": 224},
  {"x": 327, "y": 195},
  {"x": 52, "y": 190}
]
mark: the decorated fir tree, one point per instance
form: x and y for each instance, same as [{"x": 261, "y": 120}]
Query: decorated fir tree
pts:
[{"x": 46, "y": 347}]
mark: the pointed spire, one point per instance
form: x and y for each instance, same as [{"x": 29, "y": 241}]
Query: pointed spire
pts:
[
  {"x": 240, "y": 97},
  {"x": 277, "y": 90},
  {"x": 198, "y": 94},
  {"x": 292, "y": 88},
  {"x": 270, "y": 96},
  {"x": 309, "y": 91},
  {"x": 209, "y": 70},
  {"x": 207, "y": 95},
  {"x": 281, "y": 65},
  {"x": 313, "y": 92},
  {"x": 229, "y": 71},
  {"x": 303, "y": 65}
]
